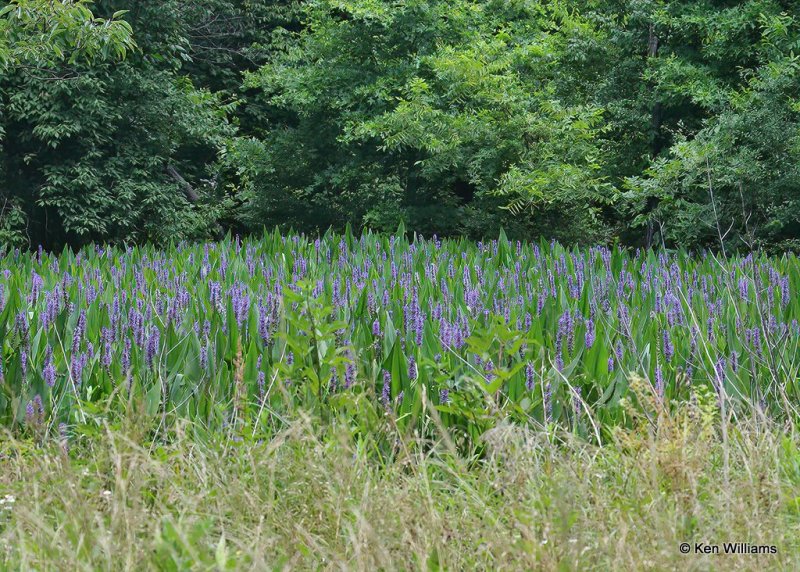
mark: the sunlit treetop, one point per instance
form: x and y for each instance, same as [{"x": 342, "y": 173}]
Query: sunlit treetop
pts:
[{"x": 43, "y": 33}]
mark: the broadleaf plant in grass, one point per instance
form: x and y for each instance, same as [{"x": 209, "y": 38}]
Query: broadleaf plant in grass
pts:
[{"x": 425, "y": 333}]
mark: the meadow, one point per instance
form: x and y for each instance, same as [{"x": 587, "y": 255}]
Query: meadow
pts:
[{"x": 375, "y": 402}]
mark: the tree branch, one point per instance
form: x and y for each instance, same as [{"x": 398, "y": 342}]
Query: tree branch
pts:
[{"x": 187, "y": 189}]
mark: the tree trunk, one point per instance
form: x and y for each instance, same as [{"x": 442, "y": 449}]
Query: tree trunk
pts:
[
  {"x": 187, "y": 189},
  {"x": 655, "y": 125}
]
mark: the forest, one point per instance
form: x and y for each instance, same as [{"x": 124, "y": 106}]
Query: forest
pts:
[{"x": 669, "y": 123}]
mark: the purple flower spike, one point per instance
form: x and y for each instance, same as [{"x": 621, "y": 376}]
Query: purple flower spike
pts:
[
  {"x": 204, "y": 357},
  {"x": 719, "y": 371},
  {"x": 559, "y": 360},
  {"x": 125, "y": 361},
  {"x": 23, "y": 362},
  {"x": 386, "y": 394},
  {"x": 334, "y": 383},
  {"x": 76, "y": 368},
  {"x": 669, "y": 349},
  {"x": 30, "y": 418},
  {"x": 49, "y": 374},
  {"x": 38, "y": 408},
  {"x": 744, "y": 288},
  {"x": 262, "y": 381},
  {"x": 659, "y": 382},
  {"x": 349, "y": 375},
  {"x": 152, "y": 345},
  {"x": 547, "y": 403},
  {"x": 577, "y": 402},
  {"x": 490, "y": 375},
  {"x": 784, "y": 291},
  {"x": 107, "y": 337},
  {"x": 529, "y": 376},
  {"x": 590, "y": 334}
]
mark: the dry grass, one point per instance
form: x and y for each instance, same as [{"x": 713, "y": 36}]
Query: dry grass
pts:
[{"x": 306, "y": 501}]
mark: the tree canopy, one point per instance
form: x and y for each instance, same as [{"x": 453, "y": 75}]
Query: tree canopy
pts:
[
  {"x": 645, "y": 122},
  {"x": 40, "y": 33}
]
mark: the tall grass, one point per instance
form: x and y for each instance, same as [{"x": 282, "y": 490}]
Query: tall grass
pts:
[{"x": 314, "y": 498}]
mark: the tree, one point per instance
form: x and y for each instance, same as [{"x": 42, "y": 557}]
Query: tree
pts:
[
  {"x": 41, "y": 33},
  {"x": 435, "y": 112},
  {"x": 112, "y": 150},
  {"x": 731, "y": 176},
  {"x": 36, "y": 37},
  {"x": 670, "y": 122}
]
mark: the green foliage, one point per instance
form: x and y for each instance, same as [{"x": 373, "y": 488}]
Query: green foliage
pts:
[
  {"x": 632, "y": 121},
  {"x": 116, "y": 151},
  {"x": 422, "y": 111},
  {"x": 42, "y": 33},
  {"x": 98, "y": 163},
  {"x": 317, "y": 498},
  {"x": 383, "y": 332},
  {"x": 731, "y": 175}
]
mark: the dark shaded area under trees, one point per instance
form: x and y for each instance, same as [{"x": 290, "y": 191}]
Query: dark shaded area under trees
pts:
[{"x": 643, "y": 122}]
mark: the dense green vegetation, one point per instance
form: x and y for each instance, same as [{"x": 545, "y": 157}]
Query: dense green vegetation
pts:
[
  {"x": 640, "y": 121},
  {"x": 445, "y": 334},
  {"x": 411, "y": 333},
  {"x": 260, "y": 404}
]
